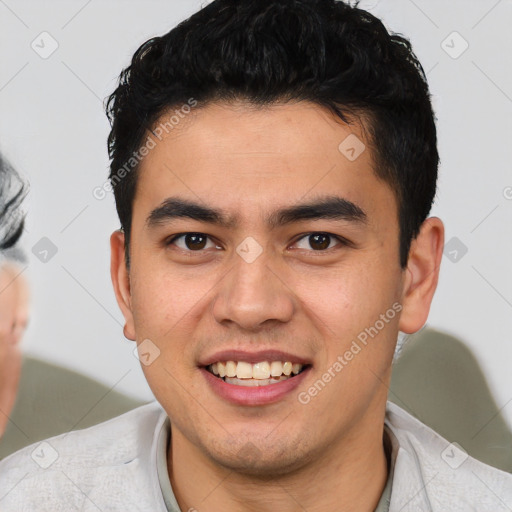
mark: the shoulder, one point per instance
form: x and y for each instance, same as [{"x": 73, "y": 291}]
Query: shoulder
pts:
[
  {"x": 434, "y": 474},
  {"x": 68, "y": 471}
]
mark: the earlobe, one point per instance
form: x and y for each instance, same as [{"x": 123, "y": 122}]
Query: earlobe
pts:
[
  {"x": 121, "y": 282},
  {"x": 421, "y": 275}
]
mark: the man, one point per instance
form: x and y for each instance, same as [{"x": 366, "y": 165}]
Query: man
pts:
[{"x": 273, "y": 164}]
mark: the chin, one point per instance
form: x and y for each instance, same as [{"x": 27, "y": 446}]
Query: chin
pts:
[{"x": 257, "y": 460}]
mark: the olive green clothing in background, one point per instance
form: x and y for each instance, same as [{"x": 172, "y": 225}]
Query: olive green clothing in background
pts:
[
  {"x": 53, "y": 400},
  {"x": 438, "y": 380}
]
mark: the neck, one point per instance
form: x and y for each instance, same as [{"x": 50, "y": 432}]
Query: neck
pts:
[{"x": 350, "y": 476}]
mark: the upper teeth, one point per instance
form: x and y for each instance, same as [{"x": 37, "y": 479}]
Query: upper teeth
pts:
[{"x": 262, "y": 370}]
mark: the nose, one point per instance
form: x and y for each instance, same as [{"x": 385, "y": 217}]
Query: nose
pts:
[{"x": 253, "y": 295}]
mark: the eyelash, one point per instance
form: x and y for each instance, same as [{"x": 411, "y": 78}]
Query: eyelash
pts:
[{"x": 341, "y": 241}]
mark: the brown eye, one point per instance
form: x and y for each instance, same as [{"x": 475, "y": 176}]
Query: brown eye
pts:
[
  {"x": 319, "y": 241},
  {"x": 193, "y": 242}
]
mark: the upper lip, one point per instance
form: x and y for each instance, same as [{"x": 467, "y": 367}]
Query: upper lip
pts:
[{"x": 253, "y": 357}]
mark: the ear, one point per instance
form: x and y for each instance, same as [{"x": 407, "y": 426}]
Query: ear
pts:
[
  {"x": 121, "y": 281},
  {"x": 422, "y": 274}
]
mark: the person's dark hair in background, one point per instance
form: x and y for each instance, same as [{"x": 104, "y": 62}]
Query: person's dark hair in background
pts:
[
  {"x": 231, "y": 50},
  {"x": 12, "y": 193}
]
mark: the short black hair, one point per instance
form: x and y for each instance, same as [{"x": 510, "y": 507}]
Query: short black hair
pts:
[
  {"x": 12, "y": 192},
  {"x": 327, "y": 52}
]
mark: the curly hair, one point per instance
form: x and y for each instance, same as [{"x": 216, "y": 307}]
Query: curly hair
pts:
[
  {"x": 12, "y": 193},
  {"x": 326, "y": 52}
]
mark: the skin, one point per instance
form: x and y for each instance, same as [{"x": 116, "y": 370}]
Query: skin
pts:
[
  {"x": 328, "y": 454},
  {"x": 14, "y": 300}
]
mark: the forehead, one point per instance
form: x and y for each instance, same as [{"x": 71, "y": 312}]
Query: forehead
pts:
[{"x": 247, "y": 157}]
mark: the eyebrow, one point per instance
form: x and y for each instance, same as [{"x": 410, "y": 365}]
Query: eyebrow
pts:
[{"x": 330, "y": 207}]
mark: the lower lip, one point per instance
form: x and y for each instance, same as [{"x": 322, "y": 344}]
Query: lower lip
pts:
[{"x": 256, "y": 395}]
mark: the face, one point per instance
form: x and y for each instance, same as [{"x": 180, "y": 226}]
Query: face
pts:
[{"x": 256, "y": 239}]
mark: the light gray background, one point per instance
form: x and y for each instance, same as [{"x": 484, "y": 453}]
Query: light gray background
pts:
[{"x": 53, "y": 129}]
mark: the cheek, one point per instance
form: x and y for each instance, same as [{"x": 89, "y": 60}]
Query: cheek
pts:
[
  {"x": 160, "y": 300},
  {"x": 341, "y": 298},
  {"x": 166, "y": 308},
  {"x": 347, "y": 303}
]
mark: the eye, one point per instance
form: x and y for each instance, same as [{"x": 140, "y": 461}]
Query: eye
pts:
[
  {"x": 318, "y": 241},
  {"x": 192, "y": 242}
]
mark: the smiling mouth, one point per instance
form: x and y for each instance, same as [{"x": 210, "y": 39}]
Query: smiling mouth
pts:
[{"x": 264, "y": 373}]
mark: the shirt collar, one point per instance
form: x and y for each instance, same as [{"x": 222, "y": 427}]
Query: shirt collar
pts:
[{"x": 162, "y": 445}]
